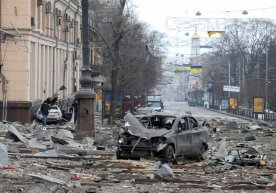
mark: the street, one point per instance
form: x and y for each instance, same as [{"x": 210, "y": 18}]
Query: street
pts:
[
  {"x": 40, "y": 163},
  {"x": 198, "y": 112}
]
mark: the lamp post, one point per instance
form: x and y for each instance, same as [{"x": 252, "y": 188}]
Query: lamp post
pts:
[
  {"x": 266, "y": 78},
  {"x": 86, "y": 95}
]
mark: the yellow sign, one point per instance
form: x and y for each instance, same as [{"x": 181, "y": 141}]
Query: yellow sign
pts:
[
  {"x": 210, "y": 33},
  {"x": 258, "y": 105},
  {"x": 100, "y": 96},
  {"x": 233, "y": 104},
  {"x": 196, "y": 70}
]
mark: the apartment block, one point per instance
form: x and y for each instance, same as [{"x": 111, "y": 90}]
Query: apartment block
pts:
[{"x": 40, "y": 52}]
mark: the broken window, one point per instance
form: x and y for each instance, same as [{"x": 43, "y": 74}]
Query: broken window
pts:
[
  {"x": 192, "y": 123},
  {"x": 182, "y": 124}
]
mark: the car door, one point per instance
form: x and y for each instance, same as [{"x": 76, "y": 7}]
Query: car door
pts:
[
  {"x": 182, "y": 136},
  {"x": 194, "y": 135}
]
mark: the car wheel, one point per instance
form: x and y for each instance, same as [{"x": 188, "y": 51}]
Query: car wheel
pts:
[
  {"x": 169, "y": 153},
  {"x": 202, "y": 152}
]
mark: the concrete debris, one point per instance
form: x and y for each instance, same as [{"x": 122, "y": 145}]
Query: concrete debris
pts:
[
  {"x": 34, "y": 143},
  {"x": 48, "y": 178},
  {"x": 229, "y": 158},
  {"x": 216, "y": 129},
  {"x": 165, "y": 172},
  {"x": 232, "y": 125},
  {"x": 265, "y": 124},
  {"x": 214, "y": 186},
  {"x": 244, "y": 128},
  {"x": 14, "y": 134},
  {"x": 4, "y": 159},
  {"x": 43, "y": 135},
  {"x": 64, "y": 134},
  {"x": 37, "y": 160},
  {"x": 251, "y": 150},
  {"x": 157, "y": 165},
  {"x": 249, "y": 138},
  {"x": 73, "y": 143},
  {"x": 59, "y": 141},
  {"x": 222, "y": 150},
  {"x": 88, "y": 142},
  {"x": 49, "y": 153},
  {"x": 255, "y": 127},
  {"x": 150, "y": 176}
]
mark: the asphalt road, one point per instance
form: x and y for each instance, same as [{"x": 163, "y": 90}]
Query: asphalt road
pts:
[{"x": 198, "y": 112}]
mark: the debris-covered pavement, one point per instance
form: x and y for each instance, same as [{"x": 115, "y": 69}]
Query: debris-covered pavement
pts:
[{"x": 241, "y": 158}]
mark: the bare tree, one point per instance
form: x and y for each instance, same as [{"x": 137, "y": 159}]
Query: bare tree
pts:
[
  {"x": 124, "y": 40},
  {"x": 243, "y": 49}
]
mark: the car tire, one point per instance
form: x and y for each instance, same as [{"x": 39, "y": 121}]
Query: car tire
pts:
[
  {"x": 202, "y": 152},
  {"x": 169, "y": 154}
]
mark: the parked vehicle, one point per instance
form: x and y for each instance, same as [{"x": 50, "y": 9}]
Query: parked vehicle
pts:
[
  {"x": 162, "y": 135},
  {"x": 54, "y": 116},
  {"x": 153, "y": 104}
]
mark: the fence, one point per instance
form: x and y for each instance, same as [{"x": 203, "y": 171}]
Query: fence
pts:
[{"x": 246, "y": 112}]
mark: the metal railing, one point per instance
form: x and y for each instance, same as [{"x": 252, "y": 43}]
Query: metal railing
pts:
[{"x": 246, "y": 112}]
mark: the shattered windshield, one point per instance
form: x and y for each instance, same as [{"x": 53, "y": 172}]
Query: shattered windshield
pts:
[{"x": 135, "y": 127}]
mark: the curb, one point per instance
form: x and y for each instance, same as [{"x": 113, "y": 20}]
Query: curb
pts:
[{"x": 233, "y": 115}]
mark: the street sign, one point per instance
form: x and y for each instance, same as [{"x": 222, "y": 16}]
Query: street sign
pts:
[{"x": 231, "y": 88}]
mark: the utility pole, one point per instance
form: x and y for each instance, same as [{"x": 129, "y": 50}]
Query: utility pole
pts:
[
  {"x": 266, "y": 78},
  {"x": 86, "y": 94},
  {"x": 229, "y": 78}
]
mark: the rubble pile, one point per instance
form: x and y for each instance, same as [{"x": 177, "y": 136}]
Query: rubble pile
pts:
[{"x": 241, "y": 156}]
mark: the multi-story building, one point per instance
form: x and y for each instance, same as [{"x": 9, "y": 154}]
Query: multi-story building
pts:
[{"x": 39, "y": 54}]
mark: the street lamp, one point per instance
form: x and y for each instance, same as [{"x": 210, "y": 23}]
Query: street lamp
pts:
[
  {"x": 266, "y": 78},
  {"x": 86, "y": 95},
  {"x": 244, "y": 12},
  {"x": 198, "y": 13}
]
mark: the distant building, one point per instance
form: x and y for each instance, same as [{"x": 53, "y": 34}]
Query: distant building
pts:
[
  {"x": 195, "y": 49},
  {"x": 194, "y": 80},
  {"x": 40, "y": 52}
]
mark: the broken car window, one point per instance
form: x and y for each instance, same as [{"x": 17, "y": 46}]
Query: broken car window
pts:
[
  {"x": 182, "y": 124},
  {"x": 158, "y": 122},
  {"x": 192, "y": 123}
]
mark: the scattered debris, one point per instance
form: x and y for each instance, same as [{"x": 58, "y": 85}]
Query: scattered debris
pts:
[
  {"x": 15, "y": 135},
  {"x": 232, "y": 125},
  {"x": 4, "y": 160},
  {"x": 48, "y": 178},
  {"x": 250, "y": 138},
  {"x": 59, "y": 163},
  {"x": 165, "y": 173}
]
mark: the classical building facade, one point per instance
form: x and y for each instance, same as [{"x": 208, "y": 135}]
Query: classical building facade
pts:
[{"x": 40, "y": 53}]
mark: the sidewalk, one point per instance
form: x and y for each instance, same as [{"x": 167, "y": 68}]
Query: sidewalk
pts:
[{"x": 238, "y": 116}]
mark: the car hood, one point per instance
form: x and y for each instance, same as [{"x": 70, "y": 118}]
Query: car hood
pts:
[{"x": 136, "y": 128}]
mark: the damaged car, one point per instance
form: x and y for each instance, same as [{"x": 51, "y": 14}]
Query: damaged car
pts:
[
  {"x": 162, "y": 135},
  {"x": 54, "y": 116}
]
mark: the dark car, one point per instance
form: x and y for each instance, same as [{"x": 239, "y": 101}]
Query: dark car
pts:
[{"x": 162, "y": 135}]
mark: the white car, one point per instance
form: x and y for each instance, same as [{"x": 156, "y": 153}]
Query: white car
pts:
[{"x": 54, "y": 116}]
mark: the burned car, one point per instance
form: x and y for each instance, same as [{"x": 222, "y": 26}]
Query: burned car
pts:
[{"x": 162, "y": 135}]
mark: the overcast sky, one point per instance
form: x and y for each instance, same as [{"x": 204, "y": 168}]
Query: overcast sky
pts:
[{"x": 157, "y": 12}]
